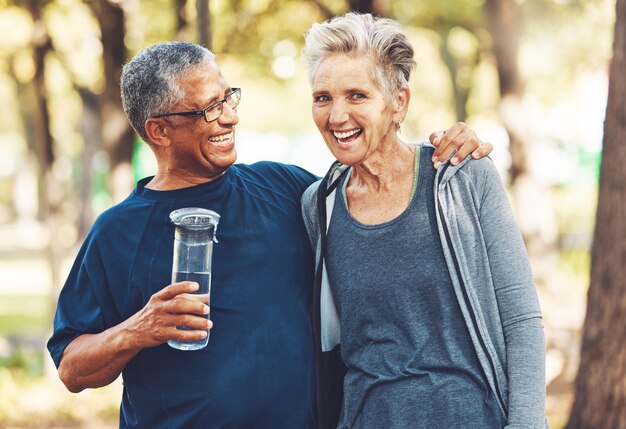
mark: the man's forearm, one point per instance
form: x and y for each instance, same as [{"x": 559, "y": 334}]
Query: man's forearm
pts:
[{"x": 96, "y": 360}]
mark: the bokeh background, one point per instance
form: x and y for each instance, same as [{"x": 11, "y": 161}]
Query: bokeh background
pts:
[{"x": 530, "y": 76}]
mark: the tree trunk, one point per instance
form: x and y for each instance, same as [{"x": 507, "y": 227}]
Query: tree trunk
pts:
[
  {"x": 118, "y": 136},
  {"x": 363, "y": 6},
  {"x": 504, "y": 23},
  {"x": 182, "y": 21},
  {"x": 49, "y": 187},
  {"x": 204, "y": 23},
  {"x": 531, "y": 199},
  {"x": 600, "y": 388},
  {"x": 43, "y": 143},
  {"x": 90, "y": 129},
  {"x": 460, "y": 86}
]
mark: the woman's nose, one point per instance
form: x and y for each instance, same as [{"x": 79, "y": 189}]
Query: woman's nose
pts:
[{"x": 338, "y": 113}]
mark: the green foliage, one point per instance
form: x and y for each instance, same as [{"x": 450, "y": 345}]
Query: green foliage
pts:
[
  {"x": 26, "y": 360},
  {"x": 8, "y": 390},
  {"x": 258, "y": 43},
  {"x": 24, "y": 315}
]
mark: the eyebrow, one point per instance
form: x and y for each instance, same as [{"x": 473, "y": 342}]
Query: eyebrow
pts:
[
  {"x": 362, "y": 90},
  {"x": 217, "y": 97}
]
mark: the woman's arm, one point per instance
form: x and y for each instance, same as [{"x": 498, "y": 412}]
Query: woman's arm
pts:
[{"x": 517, "y": 302}]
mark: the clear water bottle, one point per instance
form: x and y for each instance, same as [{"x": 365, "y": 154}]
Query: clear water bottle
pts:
[{"x": 193, "y": 249}]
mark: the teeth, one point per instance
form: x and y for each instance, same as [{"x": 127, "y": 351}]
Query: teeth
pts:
[
  {"x": 346, "y": 134},
  {"x": 220, "y": 138}
]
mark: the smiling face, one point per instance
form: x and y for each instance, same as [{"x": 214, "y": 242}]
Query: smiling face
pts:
[
  {"x": 197, "y": 149},
  {"x": 350, "y": 109}
]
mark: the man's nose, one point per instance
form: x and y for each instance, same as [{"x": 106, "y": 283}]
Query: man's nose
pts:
[{"x": 229, "y": 115}]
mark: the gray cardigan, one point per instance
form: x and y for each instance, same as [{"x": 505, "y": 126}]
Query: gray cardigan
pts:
[{"x": 492, "y": 280}]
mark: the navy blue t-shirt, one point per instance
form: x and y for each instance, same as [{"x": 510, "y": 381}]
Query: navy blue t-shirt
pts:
[{"x": 258, "y": 369}]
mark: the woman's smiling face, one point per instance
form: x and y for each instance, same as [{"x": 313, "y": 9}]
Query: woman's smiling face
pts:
[{"x": 350, "y": 108}]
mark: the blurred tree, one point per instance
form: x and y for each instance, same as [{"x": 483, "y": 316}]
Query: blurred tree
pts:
[
  {"x": 38, "y": 118},
  {"x": 460, "y": 27},
  {"x": 505, "y": 25},
  {"x": 118, "y": 136},
  {"x": 364, "y": 6},
  {"x": 91, "y": 131},
  {"x": 324, "y": 10},
  {"x": 203, "y": 23},
  {"x": 461, "y": 65},
  {"x": 600, "y": 389},
  {"x": 532, "y": 202},
  {"x": 182, "y": 21}
]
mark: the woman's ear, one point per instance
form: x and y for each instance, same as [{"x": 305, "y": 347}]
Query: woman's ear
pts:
[
  {"x": 158, "y": 130},
  {"x": 401, "y": 104}
]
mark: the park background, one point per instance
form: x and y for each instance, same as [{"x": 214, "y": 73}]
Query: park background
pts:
[{"x": 530, "y": 76}]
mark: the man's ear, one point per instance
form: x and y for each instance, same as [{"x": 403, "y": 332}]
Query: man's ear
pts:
[
  {"x": 401, "y": 104},
  {"x": 158, "y": 130}
]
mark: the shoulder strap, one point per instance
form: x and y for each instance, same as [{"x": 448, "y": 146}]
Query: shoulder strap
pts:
[{"x": 329, "y": 320}]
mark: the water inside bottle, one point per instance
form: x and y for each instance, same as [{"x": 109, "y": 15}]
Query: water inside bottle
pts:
[{"x": 204, "y": 280}]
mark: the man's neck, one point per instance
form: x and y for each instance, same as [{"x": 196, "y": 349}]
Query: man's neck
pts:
[{"x": 171, "y": 181}]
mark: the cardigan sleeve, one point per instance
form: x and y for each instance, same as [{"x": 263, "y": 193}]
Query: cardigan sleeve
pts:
[{"x": 517, "y": 301}]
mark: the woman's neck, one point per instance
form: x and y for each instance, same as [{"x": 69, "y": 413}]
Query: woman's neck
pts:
[
  {"x": 385, "y": 169},
  {"x": 380, "y": 189}
]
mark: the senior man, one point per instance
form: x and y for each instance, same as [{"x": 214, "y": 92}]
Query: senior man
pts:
[{"x": 117, "y": 309}]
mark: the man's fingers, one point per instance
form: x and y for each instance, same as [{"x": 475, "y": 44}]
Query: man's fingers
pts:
[
  {"x": 182, "y": 304},
  {"x": 435, "y": 137},
  {"x": 175, "y": 289},
  {"x": 466, "y": 144},
  {"x": 200, "y": 297},
  {"x": 444, "y": 150},
  {"x": 186, "y": 334},
  {"x": 483, "y": 150},
  {"x": 192, "y": 321}
]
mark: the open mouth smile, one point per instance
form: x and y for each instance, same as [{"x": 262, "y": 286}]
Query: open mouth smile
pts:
[
  {"x": 222, "y": 138},
  {"x": 347, "y": 136}
]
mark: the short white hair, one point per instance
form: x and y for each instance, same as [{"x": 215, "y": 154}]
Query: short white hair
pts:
[{"x": 357, "y": 34}]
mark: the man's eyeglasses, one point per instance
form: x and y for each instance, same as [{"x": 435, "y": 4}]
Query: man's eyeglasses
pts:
[{"x": 214, "y": 110}]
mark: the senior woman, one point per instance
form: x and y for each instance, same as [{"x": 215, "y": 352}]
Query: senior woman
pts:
[{"x": 431, "y": 295}]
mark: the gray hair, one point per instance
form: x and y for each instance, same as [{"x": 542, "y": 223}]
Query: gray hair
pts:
[
  {"x": 362, "y": 34},
  {"x": 149, "y": 83}
]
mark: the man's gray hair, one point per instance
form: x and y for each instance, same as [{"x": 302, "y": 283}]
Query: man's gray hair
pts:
[
  {"x": 382, "y": 39},
  {"x": 149, "y": 83}
]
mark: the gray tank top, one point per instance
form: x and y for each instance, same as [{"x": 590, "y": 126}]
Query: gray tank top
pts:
[{"x": 411, "y": 363}]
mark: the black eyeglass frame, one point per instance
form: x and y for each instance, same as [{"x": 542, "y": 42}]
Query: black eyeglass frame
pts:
[{"x": 212, "y": 105}]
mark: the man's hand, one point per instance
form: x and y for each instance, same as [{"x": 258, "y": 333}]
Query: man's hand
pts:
[
  {"x": 461, "y": 138},
  {"x": 95, "y": 360},
  {"x": 174, "y": 305}
]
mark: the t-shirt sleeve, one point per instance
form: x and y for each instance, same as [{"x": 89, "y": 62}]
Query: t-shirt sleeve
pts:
[
  {"x": 288, "y": 179},
  {"x": 302, "y": 178},
  {"x": 78, "y": 311}
]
